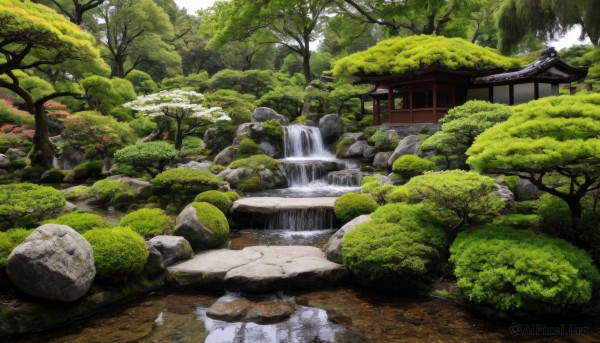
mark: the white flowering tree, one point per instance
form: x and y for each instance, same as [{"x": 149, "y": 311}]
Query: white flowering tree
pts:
[{"x": 184, "y": 107}]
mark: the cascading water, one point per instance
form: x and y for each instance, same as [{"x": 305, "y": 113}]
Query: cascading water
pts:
[
  {"x": 308, "y": 219},
  {"x": 346, "y": 178},
  {"x": 304, "y": 141}
]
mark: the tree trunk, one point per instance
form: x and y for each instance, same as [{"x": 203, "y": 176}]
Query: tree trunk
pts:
[
  {"x": 307, "y": 77},
  {"x": 178, "y": 135},
  {"x": 42, "y": 153},
  {"x": 117, "y": 68},
  {"x": 576, "y": 212}
]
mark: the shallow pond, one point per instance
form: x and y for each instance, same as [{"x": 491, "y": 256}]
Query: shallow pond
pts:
[{"x": 338, "y": 315}]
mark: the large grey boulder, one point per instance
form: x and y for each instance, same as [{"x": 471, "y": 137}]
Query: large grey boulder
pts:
[
  {"x": 204, "y": 165},
  {"x": 360, "y": 149},
  {"x": 407, "y": 146},
  {"x": 172, "y": 248},
  {"x": 5, "y": 162},
  {"x": 526, "y": 190},
  {"x": 225, "y": 157},
  {"x": 359, "y": 136},
  {"x": 262, "y": 114},
  {"x": 155, "y": 264},
  {"x": 333, "y": 247},
  {"x": 331, "y": 127},
  {"x": 71, "y": 157},
  {"x": 505, "y": 194},
  {"x": 380, "y": 161},
  {"x": 258, "y": 269},
  {"x": 14, "y": 154},
  {"x": 55, "y": 262},
  {"x": 197, "y": 233},
  {"x": 269, "y": 179},
  {"x": 269, "y": 149}
]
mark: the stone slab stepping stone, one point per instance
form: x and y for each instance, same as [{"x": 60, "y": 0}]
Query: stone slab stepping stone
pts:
[
  {"x": 258, "y": 269},
  {"x": 268, "y": 205},
  {"x": 234, "y": 308}
]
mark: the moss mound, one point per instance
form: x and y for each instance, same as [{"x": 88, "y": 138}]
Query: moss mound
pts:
[
  {"x": 10, "y": 240},
  {"x": 80, "y": 221},
  {"x": 255, "y": 163},
  {"x": 218, "y": 199},
  {"x": 351, "y": 205},
  {"x": 118, "y": 252},
  {"x": 408, "y": 166},
  {"x": 148, "y": 221},
  {"x": 215, "y": 220}
]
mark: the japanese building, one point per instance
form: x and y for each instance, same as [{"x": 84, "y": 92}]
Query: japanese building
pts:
[{"x": 425, "y": 96}]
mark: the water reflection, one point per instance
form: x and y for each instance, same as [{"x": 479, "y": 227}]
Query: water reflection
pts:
[{"x": 306, "y": 325}]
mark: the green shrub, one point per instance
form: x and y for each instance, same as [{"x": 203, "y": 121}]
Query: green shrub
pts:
[
  {"x": 397, "y": 194},
  {"x": 382, "y": 142},
  {"x": 517, "y": 269},
  {"x": 396, "y": 248},
  {"x": 55, "y": 175},
  {"x": 217, "y": 168},
  {"x": 148, "y": 221},
  {"x": 78, "y": 191},
  {"x": 252, "y": 184},
  {"x": 26, "y": 202},
  {"x": 113, "y": 192},
  {"x": 87, "y": 170},
  {"x": 216, "y": 221},
  {"x": 118, "y": 252},
  {"x": 10, "y": 240},
  {"x": 233, "y": 196},
  {"x": 218, "y": 199},
  {"x": 366, "y": 121},
  {"x": 255, "y": 163},
  {"x": 526, "y": 207},
  {"x": 351, "y": 205},
  {"x": 371, "y": 185},
  {"x": 273, "y": 130},
  {"x": 408, "y": 166},
  {"x": 247, "y": 148},
  {"x": 343, "y": 145},
  {"x": 517, "y": 221},
  {"x": 31, "y": 173},
  {"x": 182, "y": 184},
  {"x": 193, "y": 147},
  {"x": 80, "y": 221},
  {"x": 468, "y": 195},
  {"x": 151, "y": 156}
]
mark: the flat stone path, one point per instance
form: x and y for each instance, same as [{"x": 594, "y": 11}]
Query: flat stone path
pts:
[
  {"x": 267, "y": 205},
  {"x": 258, "y": 269}
]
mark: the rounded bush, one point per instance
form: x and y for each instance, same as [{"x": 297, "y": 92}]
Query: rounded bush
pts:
[
  {"x": 218, "y": 199},
  {"x": 152, "y": 156},
  {"x": 397, "y": 194},
  {"x": 255, "y": 163},
  {"x": 80, "y": 221},
  {"x": 252, "y": 184},
  {"x": 517, "y": 221},
  {"x": 54, "y": 175},
  {"x": 247, "y": 148},
  {"x": 396, "y": 248},
  {"x": 233, "y": 196},
  {"x": 20, "y": 200},
  {"x": 10, "y": 240},
  {"x": 517, "y": 269},
  {"x": 185, "y": 182},
  {"x": 111, "y": 191},
  {"x": 147, "y": 221},
  {"x": 352, "y": 205},
  {"x": 408, "y": 166},
  {"x": 118, "y": 252},
  {"x": 86, "y": 170},
  {"x": 215, "y": 220}
]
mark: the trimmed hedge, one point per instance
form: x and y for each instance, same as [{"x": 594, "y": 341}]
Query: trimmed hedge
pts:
[
  {"x": 352, "y": 205},
  {"x": 148, "y": 221},
  {"x": 516, "y": 269},
  {"x": 80, "y": 221},
  {"x": 396, "y": 248},
  {"x": 408, "y": 166},
  {"x": 118, "y": 252},
  {"x": 218, "y": 199}
]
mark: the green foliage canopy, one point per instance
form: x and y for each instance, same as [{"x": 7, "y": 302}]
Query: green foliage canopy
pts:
[
  {"x": 151, "y": 156},
  {"x": 552, "y": 135},
  {"x": 405, "y": 54}
]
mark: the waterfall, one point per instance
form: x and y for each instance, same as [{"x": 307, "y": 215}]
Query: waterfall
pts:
[
  {"x": 300, "y": 219},
  {"x": 301, "y": 173},
  {"x": 346, "y": 178},
  {"x": 304, "y": 141}
]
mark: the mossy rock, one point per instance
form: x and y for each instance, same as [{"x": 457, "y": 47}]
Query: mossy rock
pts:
[
  {"x": 148, "y": 221},
  {"x": 203, "y": 225},
  {"x": 218, "y": 199},
  {"x": 252, "y": 184},
  {"x": 80, "y": 221}
]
